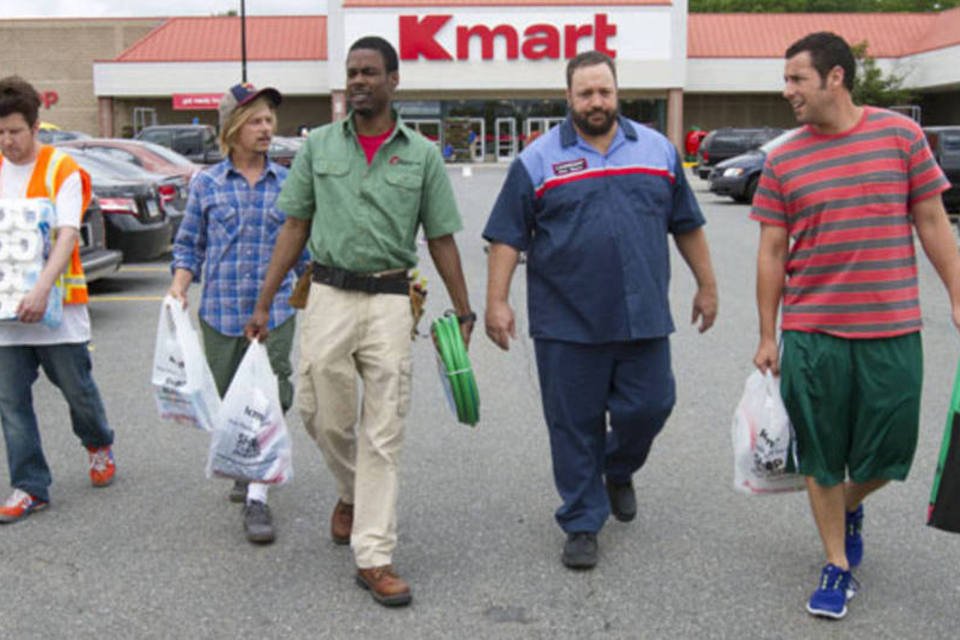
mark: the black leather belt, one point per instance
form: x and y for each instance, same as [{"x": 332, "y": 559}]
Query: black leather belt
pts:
[{"x": 397, "y": 282}]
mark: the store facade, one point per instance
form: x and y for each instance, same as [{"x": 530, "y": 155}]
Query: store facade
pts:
[
  {"x": 481, "y": 78},
  {"x": 487, "y": 77}
]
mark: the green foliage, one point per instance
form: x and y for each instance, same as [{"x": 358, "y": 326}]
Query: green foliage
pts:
[
  {"x": 873, "y": 88},
  {"x": 817, "y": 6}
]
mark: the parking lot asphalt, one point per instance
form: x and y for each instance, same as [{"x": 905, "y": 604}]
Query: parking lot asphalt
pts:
[{"x": 161, "y": 553}]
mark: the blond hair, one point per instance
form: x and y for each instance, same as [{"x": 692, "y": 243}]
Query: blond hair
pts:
[{"x": 239, "y": 117}]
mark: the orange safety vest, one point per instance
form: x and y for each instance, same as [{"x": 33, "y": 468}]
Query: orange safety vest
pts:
[{"x": 52, "y": 169}]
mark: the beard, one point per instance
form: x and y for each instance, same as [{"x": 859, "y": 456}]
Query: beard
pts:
[{"x": 591, "y": 127}]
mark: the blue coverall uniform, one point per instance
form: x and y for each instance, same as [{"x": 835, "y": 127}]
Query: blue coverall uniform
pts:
[{"x": 595, "y": 229}]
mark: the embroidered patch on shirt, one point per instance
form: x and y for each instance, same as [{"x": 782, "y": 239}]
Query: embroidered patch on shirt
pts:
[{"x": 570, "y": 166}]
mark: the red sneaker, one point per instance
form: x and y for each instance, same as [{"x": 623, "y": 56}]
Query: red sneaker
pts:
[
  {"x": 19, "y": 505},
  {"x": 102, "y": 467}
]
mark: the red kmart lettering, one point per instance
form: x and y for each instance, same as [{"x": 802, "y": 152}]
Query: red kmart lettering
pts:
[{"x": 418, "y": 38}]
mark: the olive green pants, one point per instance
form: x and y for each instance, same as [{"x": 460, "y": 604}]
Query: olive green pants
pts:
[{"x": 224, "y": 354}]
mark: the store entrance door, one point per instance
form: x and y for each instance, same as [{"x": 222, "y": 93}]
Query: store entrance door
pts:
[
  {"x": 505, "y": 139},
  {"x": 477, "y": 140},
  {"x": 535, "y": 127},
  {"x": 143, "y": 117},
  {"x": 430, "y": 129},
  {"x": 464, "y": 139}
]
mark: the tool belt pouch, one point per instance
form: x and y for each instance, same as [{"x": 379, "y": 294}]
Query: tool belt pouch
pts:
[
  {"x": 397, "y": 283},
  {"x": 418, "y": 297},
  {"x": 301, "y": 290}
]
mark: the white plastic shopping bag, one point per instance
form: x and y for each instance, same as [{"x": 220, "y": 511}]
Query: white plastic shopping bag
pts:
[
  {"x": 251, "y": 441},
  {"x": 182, "y": 382},
  {"x": 763, "y": 442}
]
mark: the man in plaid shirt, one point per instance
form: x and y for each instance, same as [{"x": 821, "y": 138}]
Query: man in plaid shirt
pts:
[{"x": 227, "y": 235}]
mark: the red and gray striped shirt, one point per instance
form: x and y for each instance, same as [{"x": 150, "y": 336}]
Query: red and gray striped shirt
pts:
[{"x": 845, "y": 200}]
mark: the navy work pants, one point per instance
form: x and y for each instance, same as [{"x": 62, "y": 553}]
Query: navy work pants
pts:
[{"x": 581, "y": 385}]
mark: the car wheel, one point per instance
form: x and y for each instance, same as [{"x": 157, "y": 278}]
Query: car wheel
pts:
[{"x": 751, "y": 189}]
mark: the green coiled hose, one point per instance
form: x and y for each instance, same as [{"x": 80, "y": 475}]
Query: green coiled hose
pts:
[{"x": 457, "y": 369}]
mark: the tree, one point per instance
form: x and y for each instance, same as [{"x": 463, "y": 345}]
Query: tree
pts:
[
  {"x": 871, "y": 87},
  {"x": 816, "y": 6}
]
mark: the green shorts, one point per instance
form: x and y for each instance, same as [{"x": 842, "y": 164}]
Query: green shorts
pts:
[{"x": 854, "y": 404}]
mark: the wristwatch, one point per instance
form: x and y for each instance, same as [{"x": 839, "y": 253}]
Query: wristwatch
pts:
[{"x": 467, "y": 317}]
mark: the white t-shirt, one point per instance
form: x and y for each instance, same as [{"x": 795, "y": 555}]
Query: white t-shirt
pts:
[{"x": 75, "y": 326}]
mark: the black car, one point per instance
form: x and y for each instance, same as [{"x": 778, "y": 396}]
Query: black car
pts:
[
  {"x": 197, "y": 142},
  {"x": 97, "y": 260},
  {"x": 945, "y": 144},
  {"x": 136, "y": 222},
  {"x": 738, "y": 176},
  {"x": 171, "y": 171},
  {"x": 727, "y": 142}
]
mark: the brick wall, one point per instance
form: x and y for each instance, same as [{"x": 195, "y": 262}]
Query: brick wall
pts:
[
  {"x": 58, "y": 55},
  {"x": 714, "y": 110}
]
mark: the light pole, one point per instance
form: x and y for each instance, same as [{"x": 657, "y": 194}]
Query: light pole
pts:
[{"x": 243, "y": 39}]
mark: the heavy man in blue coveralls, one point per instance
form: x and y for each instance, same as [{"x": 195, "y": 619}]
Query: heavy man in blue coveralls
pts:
[{"x": 592, "y": 203}]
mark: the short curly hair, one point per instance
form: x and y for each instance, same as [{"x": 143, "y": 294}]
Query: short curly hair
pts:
[{"x": 18, "y": 96}]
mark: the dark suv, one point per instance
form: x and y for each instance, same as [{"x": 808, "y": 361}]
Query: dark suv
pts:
[
  {"x": 198, "y": 142},
  {"x": 728, "y": 142},
  {"x": 945, "y": 144}
]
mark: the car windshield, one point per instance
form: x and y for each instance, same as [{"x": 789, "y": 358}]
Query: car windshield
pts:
[
  {"x": 102, "y": 168},
  {"x": 53, "y": 136},
  {"x": 166, "y": 153},
  {"x": 769, "y": 146}
]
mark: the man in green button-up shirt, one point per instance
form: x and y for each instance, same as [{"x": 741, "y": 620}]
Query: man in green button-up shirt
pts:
[{"x": 356, "y": 195}]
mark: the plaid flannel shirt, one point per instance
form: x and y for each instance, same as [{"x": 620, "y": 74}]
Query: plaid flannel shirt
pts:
[{"x": 229, "y": 229}]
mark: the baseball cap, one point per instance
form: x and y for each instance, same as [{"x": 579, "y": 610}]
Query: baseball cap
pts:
[{"x": 244, "y": 93}]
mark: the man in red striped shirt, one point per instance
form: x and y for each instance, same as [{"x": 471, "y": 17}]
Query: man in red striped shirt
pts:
[{"x": 849, "y": 188}]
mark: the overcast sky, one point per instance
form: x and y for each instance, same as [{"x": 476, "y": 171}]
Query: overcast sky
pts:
[{"x": 119, "y": 8}]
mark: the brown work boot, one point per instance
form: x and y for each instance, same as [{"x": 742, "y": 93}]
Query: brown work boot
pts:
[
  {"x": 341, "y": 524},
  {"x": 385, "y": 586}
]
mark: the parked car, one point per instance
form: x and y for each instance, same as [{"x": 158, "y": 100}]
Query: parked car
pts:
[
  {"x": 172, "y": 189},
  {"x": 945, "y": 144},
  {"x": 176, "y": 169},
  {"x": 142, "y": 153},
  {"x": 136, "y": 222},
  {"x": 284, "y": 148},
  {"x": 98, "y": 261},
  {"x": 728, "y": 142},
  {"x": 198, "y": 142},
  {"x": 738, "y": 176},
  {"x": 53, "y": 136}
]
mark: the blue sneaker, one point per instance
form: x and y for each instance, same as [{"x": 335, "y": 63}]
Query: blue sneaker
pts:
[
  {"x": 853, "y": 540},
  {"x": 830, "y": 599}
]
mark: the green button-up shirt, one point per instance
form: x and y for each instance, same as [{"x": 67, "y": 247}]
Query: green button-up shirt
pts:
[{"x": 365, "y": 218}]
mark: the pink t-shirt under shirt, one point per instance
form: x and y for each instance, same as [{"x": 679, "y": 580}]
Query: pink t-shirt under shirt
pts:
[{"x": 370, "y": 144}]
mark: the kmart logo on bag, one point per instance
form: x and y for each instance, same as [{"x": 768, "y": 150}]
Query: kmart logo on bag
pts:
[{"x": 256, "y": 415}]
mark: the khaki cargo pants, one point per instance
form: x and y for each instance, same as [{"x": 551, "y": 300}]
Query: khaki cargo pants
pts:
[{"x": 345, "y": 335}]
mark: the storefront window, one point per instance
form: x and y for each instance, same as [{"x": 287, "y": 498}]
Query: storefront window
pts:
[{"x": 491, "y": 130}]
